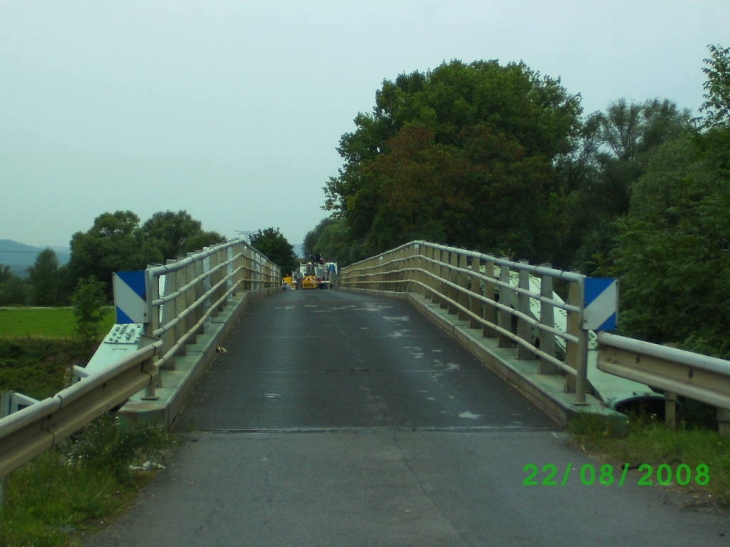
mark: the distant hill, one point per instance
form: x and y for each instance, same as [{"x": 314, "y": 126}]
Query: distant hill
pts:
[{"x": 20, "y": 256}]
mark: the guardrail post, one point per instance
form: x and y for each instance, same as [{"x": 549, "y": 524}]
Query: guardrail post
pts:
[
  {"x": 490, "y": 312},
  {"x": 670, "y": 410},
  {"x": 152, "y": 321},
  {"x": 193, "y": 314},
  {"x": 464, "y": 284},
  {"x": 504, "y": 317},
  {"x": 524, "y": 330},
  {"x": 453, "y": 277},
  {"x": 577, "y": 354},
  {"x": 476, "y": 306},
  {"x": 723, "y": 421},
  {"x": 433, "y": 255},
  {"x": 547, "y": 318},
  {"x": 180, "y": 327}
]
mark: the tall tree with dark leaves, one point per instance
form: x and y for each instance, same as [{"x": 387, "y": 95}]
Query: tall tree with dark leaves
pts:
[
  {"x": 275, "y": 246},
  {"x": 44, "y": 279},
  {"x": 114, "y": 243},
  {"x": 415, "y": 167},
  {"x": 673, "y": 256},
  {"x": 176, "y": 234}
]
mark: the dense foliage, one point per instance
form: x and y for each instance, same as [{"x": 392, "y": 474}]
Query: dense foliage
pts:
[
  {"x": 450, "y": 154},
  {"x": 115, "y": 242},
  {"x": 276, "y": 248},
  {"x": 498, "y": 159}
]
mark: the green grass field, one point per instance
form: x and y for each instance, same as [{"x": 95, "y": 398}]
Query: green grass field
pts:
[{"x": 43, "y": 322}]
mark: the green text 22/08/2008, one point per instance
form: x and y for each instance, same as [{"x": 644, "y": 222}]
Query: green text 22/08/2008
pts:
[{"x": 607, "y": 475}]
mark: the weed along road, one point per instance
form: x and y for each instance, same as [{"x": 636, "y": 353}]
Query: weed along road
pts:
[{"x": 340, "y": 419}]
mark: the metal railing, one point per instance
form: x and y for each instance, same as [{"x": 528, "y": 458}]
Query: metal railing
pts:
[
  {"x": 675, "y": 371},
  {"x": 182, "y": 296},
  {"x": 514, "y": 302},
  {"x": 511, "y": 301}
]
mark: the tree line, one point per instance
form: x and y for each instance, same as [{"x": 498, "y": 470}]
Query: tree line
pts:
[
  {"x": 499, "y": 159},
  {"x": 116, "y": 242}
]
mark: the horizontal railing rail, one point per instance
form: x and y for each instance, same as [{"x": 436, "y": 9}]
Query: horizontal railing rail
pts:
[
  {"x": 181, "y": 298},
  {"x": 511, "y": 301},
  {"x": 674, "y": 371}
]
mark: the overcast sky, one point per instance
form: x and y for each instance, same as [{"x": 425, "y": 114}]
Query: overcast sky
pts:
[{"x": 232, "y": 110}]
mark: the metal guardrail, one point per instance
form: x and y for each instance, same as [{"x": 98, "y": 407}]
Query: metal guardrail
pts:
[
  {"x": 182, "y": 296},
  {"x": 675, "y": 371},
  {"x": 36, "y": 428},
  {"x": 479, "y": 288}
]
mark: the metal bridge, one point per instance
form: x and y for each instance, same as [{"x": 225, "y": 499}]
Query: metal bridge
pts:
[{"x": 422, "y": 402}]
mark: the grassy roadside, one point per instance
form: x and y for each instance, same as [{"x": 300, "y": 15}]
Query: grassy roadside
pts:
[
  {"x": 44, "y": 322},
  {"x": 695, "y": 460},
  {"x": 74, "y": 488},
  {"x": 87, "y": 479}
]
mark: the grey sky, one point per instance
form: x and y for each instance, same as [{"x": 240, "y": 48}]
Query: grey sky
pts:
[{"x": 232, "y": 110}]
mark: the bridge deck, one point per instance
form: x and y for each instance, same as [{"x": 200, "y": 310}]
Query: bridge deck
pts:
[{"x": 348, "y": 420}]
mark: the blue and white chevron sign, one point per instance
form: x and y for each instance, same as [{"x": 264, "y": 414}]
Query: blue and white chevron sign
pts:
[
  {"x": 130, "y": 296},
  {"x": 600, "y": 297}
]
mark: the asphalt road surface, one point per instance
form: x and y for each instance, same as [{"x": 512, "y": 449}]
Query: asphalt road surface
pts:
[{"x": 340, "y": 419}]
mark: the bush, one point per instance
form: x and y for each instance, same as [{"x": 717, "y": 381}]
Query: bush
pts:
[
  {"x": 85, "y": 478},
  {"x": 88, "y": 302}
]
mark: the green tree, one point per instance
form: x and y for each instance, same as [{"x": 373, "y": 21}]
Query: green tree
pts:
[
  {"x": 716, "y": 105},
  {"x": 438, "y": 145},
  {"x": 673, "y": 256},
  {"x": 618, "y": 145},
  {"x": 114, "y": 243},
  {"x": 330, "y": 239},
  {"x": 44, "y": 279},
  {"x": 275, "y": 246},
  {"x": 176, "y": 234},
  {"x": 202, "y": 239},
  {"x": 89, "y": 300},
  {"x": 13, "y": 290}
]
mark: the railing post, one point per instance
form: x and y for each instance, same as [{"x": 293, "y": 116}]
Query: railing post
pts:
[
  {"x": 180, "y": 327},
  {"x": 547, "y": 318},
  {"x": 453, "y": 277},
  {"x": 431, "y": 267},
  {"x": 464, "y": 284},
  {"x": 152, "y": 323},
  {"x": 505, "y": 318},
  {"x": 489, "y": 311},
  {"x": 524, "y": 330},
  {"x": 229, "y": 270},
  {"x": 577, "y": 354},
  {"x": 476, "y": 306}
]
